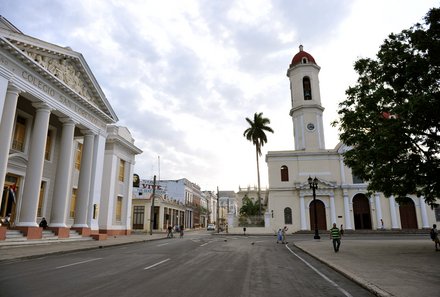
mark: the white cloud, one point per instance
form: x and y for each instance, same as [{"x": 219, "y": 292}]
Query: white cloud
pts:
[{"x": 183, "y": 75}]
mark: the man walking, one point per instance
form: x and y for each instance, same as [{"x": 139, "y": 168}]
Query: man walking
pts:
[
  {"x": 283, "y": 235},
  {"x": 335, "y": 234},
  {"x": 170, "y": 232},
  {"x": 434, "y": 236}
]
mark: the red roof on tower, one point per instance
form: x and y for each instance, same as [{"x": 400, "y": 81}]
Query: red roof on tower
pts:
[{"x": 299, "y": 57}]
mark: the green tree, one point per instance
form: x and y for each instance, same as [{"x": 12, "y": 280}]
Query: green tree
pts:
[
  {"x": 391, "y": 116},
  {"x": 249, "y": 208},
  {"x": 256, "y": 134}
]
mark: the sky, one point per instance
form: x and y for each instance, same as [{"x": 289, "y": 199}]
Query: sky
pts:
[{"x": 183, "y": 75}]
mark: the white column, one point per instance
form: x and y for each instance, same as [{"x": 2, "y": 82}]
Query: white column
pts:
[
  {"x": 3, "y": 89},
  {"x": 96, "y": 180},
  {"x": 332, "y": 209},
  {"x": 6, "y": 128},
  {"x": 85, "y": 174},
  {"x": 34, "y": 169},
  {"x": 128, "y": 201},
  {"x": 378, "y": 210},
  {"x": 302, "y": 207},
  {"x": 347, "y": 213},
  {"x": 62, "y": 189},
  {"x": 109, "y": 187},
  {"x": 342, "y": 169},
  {"x": 394, "y": 224},
  {"x": 266, "y": 220},
  {"x": 425, "y": 223},
  {"x": 160, "y": 218}
]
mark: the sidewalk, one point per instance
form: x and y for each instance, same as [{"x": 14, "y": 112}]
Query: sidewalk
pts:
[
  {"x": 392, "y": 266},
  {"x": 389, "y": 266}
]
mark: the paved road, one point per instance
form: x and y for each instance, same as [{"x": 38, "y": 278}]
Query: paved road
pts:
[{"x": 197, "y": 265}]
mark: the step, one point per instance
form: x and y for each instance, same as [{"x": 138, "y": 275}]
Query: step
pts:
[
  {"x": 48, "y": 235},
  {"x": 74, "y": 234},
  {"x": 14, "y": 235}
]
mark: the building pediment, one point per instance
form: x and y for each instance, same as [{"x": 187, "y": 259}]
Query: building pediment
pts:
[{"x": 65, "y": 67}]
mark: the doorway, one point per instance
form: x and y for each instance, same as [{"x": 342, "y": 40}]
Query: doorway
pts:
[
  {"x": 407, "y": 210},
  {"x": 361, "y": 212},
  {"x": 9, "y": 197},
  {"x": 320, "y": 213}
]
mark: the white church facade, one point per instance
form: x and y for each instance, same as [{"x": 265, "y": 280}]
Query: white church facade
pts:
[
  {"x": 62, "y": 156},
  {"x": 340, "y": 197}
]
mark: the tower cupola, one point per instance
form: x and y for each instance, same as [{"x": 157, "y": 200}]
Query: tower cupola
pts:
[{"x": 302, "y": 57}]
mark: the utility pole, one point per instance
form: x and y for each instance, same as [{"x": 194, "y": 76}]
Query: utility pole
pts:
[
  {"x": 152, "y": 206},
  {"x": 218, "y": 201}
]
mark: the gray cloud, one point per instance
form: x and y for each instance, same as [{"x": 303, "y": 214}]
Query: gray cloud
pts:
[{"x": 183, "y": 79}]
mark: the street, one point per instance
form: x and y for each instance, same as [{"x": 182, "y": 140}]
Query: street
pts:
[{"x": 199, "y": 264}]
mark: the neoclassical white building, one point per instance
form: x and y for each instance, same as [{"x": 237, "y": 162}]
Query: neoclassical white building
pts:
[
  {"x": 61, "y": 155},
  {"x": 340, "y": 197}
]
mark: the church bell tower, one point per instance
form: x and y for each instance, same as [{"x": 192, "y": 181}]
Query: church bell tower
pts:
[{"x": 306, "y": 111}]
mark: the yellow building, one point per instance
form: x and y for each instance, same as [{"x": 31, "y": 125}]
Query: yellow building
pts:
[{"x": 340, "y": 197}]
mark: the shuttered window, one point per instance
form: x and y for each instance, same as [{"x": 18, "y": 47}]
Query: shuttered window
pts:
[{"x": 18, "y": 143}]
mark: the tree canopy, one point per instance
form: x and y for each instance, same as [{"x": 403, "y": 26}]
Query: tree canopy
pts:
[
  {"x": 391, "y": 116},
  {"x": 249, "y": 207},
  {"x": 256, "y": 133}
]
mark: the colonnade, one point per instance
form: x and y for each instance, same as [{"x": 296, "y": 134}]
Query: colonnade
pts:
[
  {"x": 347, "y": 211},
  {"x": 26, "y": 219}
]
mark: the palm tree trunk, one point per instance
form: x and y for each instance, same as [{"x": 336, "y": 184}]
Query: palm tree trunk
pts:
[{"x": 258, "y": 174}]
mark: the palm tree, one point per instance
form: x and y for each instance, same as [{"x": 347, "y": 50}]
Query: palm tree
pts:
[{"x": 255, "y": 134}]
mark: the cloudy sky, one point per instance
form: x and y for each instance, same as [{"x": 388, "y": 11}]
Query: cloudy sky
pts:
[{"x": 184, "y": 75}]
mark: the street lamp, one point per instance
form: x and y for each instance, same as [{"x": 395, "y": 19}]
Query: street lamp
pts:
[{"x": 313, "y": 182}]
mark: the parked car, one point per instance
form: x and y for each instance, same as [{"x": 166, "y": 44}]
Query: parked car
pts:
[{"x": 211, "y": 227}]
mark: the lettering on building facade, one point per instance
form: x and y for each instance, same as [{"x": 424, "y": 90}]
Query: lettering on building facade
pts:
[{"x": 50, "y": 91}]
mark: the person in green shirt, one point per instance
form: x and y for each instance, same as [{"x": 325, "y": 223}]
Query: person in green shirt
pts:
[{"x": 335, "y": 234}]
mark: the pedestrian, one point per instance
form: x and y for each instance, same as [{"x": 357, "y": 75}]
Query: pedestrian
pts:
[
  {"x": 434, "y": 237},
  {"x": 43, "y": 223},
  {"x": 381, "y": 224},
  {"x": 181, "y": 231},
  {"x": 279, "y": 236},
  {"x": 7, "y": 221},
  {"x": 342, "y": 230},
  {"x": 283, "y": 234},
  {"x": 170, "y": 232},
  {"x": 335, "y": 234}
]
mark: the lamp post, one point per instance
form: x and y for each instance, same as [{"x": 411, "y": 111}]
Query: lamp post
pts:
[
  {"x": 218, "y": 206},
  {"x": 152, "y": 206},
  {"x": 313, "y": 182}
]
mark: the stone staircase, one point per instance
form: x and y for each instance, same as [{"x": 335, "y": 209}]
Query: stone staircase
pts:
[
  {"x": 14, "y": 235},
  {"x": 74, "y": 235},
  {"x": 48, "y": 235}
]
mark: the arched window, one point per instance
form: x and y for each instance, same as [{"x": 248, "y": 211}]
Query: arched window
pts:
[
  {"x": 304, "y": 60},
  {"x": 287, "y": 215},
  {"x": 307, "y": 88},
  {"x": 284, "y": 173}
]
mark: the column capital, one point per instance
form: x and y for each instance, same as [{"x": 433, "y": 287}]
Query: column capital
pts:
[
  {"x": 42, "y": 106},
  {"x": 13, "y": 89},
  {"x": 87, "y": 132},
  {"x": 67, "y": 121}
]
